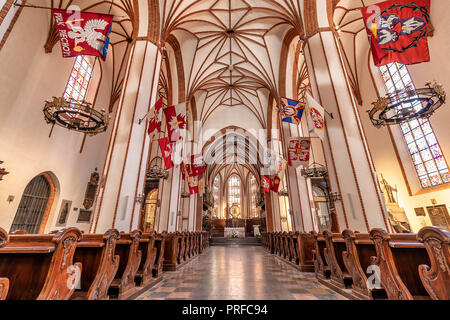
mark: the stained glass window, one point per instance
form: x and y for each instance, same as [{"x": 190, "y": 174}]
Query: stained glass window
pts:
[
  {"x": 253, "y": 195},
  {"x": 234, "y": 190},
  {"x": 430, "y": 164},
  {"x": 79, "y": 79}
]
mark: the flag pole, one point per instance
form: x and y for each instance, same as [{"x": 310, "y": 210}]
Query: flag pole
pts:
[
  {"x": 309, "y": 133},
  {"x": 33, "y": 6}
]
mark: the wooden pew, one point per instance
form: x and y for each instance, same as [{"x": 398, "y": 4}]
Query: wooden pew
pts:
[
  {"x": 436, "y": 279},
  {"x": 4, "y": 286},
  {"x": 398, "y": 258},
  {"x": 359, "y": 253},
  {"x": 200, "y": 242},
  {"x": 187, "y": 250},
  {"x": 321, "y": 269},
  {"x": 192, "y": 235},
  {"x": 196, "y": 246},
  {"x": 160, "y": 242},
  {"x": 40, "y": 266},
  {"x": 191, "y": 245},
  {"x": 286, "y": 249},
  {"x": 171, "y": 252},
  {"x": 303, "y": 247},
  {"x": 96, "y": 253},
  {"x": 4, "y": 238},
  {"x": 4, "y": 282},
  {"x": 335, "y": 246},
  {"x": 20, "y": 232},
  {"x": 271, "y": 239},
  {"x": 127, "y": 247},
  {"x": 144, "y": 274},
  {"x": 276, "y": 243},
  {"x": 181, "y": 247}
]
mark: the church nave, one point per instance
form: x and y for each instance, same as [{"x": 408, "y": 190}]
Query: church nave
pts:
[{"x": 238, "y": 272}]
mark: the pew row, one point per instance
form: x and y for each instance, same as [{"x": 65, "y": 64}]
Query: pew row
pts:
[
  {"x": 127, "y": 247},
  {"x": 398, "y": 259},
  {"x": 96, "y": 252},
  {"x": 380, "y": 265},
  {"x": 144, "y": 274},
  {"x": 180, "y": 247},
  {"x": 160, "y": 243},
  {"x": 295, "y": 248},
  {"x": 436, "y": 279},
  {"x": 40, "y": 266}
]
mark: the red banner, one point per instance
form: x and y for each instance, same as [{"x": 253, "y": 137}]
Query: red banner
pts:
[
  {"x": 167, "y": 150},
  {"x": 83, "y": 33},
  {"x": 299, "y": 151},
  {"x": 398, "y": 31},
  {"x": 175, "y": 122},
  {"x": 154, "y": 122},
  {"x": 266, "y": 184},
  {"x": 275, "y": 183},
  {"x": 195, "y": 167},
  {"x": 193, "y": 185}
]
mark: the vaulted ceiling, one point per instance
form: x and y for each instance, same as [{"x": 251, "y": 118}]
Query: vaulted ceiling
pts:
[{"x": 231, "y": 52}]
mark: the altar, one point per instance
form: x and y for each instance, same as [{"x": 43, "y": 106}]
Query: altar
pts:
[{"x": 234, "y": 233}]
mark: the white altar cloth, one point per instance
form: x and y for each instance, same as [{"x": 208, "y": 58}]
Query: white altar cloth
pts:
[{"x": 234, "y": 233}]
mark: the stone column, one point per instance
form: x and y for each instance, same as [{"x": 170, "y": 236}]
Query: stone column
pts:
[
  {"x": 350, "y": 166},
  {"x": 124, "y": 171}
]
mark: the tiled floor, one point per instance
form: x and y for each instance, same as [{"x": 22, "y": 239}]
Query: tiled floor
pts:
[{"x": 238, "y": 273}]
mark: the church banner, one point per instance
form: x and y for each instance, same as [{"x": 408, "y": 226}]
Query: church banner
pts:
[
  {"x": 299, "y": 151},
  {"x": 83, "y": 33},
  {"x": 167, "y": 150},
  {"x": 176, "y": 121},
  {"x": 154, "y": 117},
  {"x": 265, "y": 183},
  {"x": 316, "y": 116},
  {"x": 291, "y": 111},
  {"x": 193, "y": 185},
  {"x": 398, "y": 31}
]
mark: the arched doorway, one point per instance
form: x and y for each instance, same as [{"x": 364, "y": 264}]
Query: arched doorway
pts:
[
  {"x": 322, "y": 212},
  {"x": 35, "y": 205},
  {"x": 151, "y": 203}
]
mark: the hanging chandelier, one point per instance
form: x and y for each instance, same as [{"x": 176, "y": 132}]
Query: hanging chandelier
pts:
[
  {"x": 157, "y": 173},
  {"x": 315, "y": 170},
  {"x": 76, "y": 115},
  {"x": 408, "y": 104}
]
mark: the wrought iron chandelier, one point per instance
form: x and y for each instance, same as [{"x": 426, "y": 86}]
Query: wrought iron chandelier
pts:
[
  {"x": 157, "y": 173},
  {"x": 409, "y": 104},
  {"x": 315, "y": 170},
  {"x": 76, "y": 115}
]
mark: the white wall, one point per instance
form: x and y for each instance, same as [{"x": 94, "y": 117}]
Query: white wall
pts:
[
  {"x": 380, "y": 145},
  {"x": 28, "y": 77}
]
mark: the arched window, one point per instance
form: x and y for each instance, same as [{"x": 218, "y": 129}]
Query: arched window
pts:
[
  {"x": 79, "y": 79},
  {"x": 216, "y": 194},
  {"x": 234, "y": 192},
  {"x": 253, "y": 195},
  {"x": 32, "y": 206},
  {"x": 423, "y": 146}
]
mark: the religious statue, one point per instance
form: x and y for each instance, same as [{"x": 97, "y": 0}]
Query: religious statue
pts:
[
  {"x": 397, "y": 215},
  {"x": 388, "y": 191}
]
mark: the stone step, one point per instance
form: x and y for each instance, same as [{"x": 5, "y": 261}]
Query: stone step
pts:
[{"x": 221, "y": 241}]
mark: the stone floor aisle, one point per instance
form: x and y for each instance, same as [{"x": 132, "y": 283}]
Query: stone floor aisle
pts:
[{"x": 238, "y": 273}]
